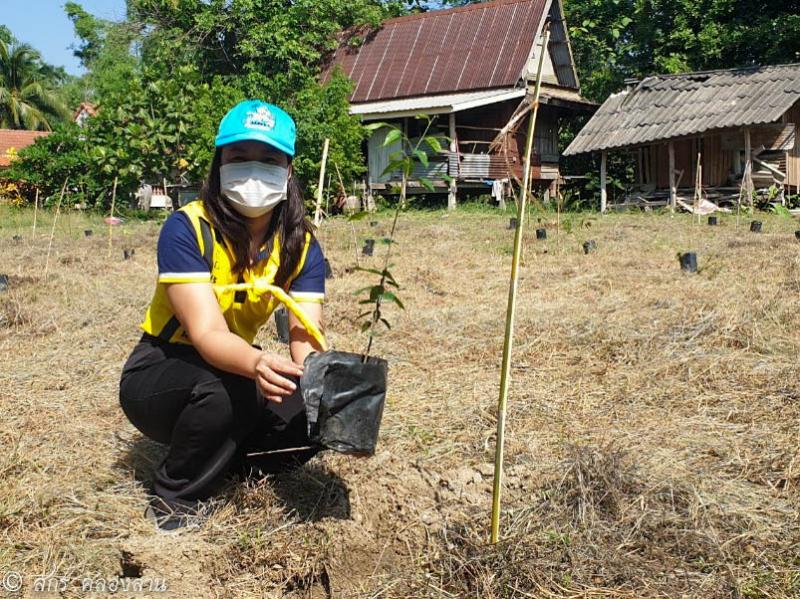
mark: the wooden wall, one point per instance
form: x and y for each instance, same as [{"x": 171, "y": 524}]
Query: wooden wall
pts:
[
  {"x": 717, "y": 163},
  {"x": 793, "y": 155}
]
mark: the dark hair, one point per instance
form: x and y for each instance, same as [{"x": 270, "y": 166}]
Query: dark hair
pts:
[{"x": 288, "y": 222}]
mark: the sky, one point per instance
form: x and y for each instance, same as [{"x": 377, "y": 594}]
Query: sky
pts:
[{"x": 44, "y": 25}]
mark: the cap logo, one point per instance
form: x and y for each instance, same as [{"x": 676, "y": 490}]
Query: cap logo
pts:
[{"x": 261, "y": 118}]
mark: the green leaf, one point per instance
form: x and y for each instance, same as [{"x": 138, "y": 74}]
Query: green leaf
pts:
[
  {"x": 386, "y": 241},
  {"x": 386, "y": 322},
  {"x": 391, "y": 137},
  {"x": 422, "y": 157},
  {"x": 365, "y": 326},
  {"x": 376, "y": 126},
  {"x": 426, "y": 183},
  {"x": 391, "y": 297},
  {"x": 433, "y": 143},
  {"x": 374, "y": 271}
]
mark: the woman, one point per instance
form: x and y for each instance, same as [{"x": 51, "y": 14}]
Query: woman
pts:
[{"x": 195, "y": 381}]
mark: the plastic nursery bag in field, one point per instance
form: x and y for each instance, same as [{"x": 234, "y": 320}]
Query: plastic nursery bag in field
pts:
[{"x": 344, "y": 400}]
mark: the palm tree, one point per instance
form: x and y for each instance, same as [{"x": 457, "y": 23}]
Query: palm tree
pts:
[{"x": 25, "y": 102}]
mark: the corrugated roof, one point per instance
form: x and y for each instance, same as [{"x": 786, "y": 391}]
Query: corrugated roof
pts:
[
  {"x": 438, "y": 104},
  {"x": 16, "y": 139},
  {"x": 480, "y": 46},
  {"x": 668, "y": 106}
]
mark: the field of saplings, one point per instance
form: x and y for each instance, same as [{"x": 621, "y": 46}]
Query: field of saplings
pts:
[{"x": 651, "y": 436}]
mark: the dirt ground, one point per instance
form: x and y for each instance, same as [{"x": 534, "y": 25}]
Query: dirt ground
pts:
[{"x": 651, "y": 450}]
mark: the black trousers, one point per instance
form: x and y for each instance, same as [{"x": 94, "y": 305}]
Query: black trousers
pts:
[{"x": 209, "y": 418}]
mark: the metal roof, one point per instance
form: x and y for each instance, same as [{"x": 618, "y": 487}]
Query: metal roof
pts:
[
  {"x": 668, "y": 106},
  {"x": 479, "y": 46},
  {"x": 439, "y": 104}
]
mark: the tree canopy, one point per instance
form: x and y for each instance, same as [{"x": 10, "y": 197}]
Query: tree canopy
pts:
[
  {"x": 164, "y": 76},
  {"x": 26, "y": 99}
]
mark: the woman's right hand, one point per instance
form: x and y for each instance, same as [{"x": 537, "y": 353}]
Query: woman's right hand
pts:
[{"x": 271, "y": 371}]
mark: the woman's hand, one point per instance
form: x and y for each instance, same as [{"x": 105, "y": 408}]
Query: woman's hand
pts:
[{"x": 271, "y": 371}]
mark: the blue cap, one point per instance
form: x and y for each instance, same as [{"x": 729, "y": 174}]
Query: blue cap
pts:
[{"x": 254, "y": 120}]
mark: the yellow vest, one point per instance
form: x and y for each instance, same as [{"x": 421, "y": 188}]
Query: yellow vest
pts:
[{"x": 244, "y": 311}]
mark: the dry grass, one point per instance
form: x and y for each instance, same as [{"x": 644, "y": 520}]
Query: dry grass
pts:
[{"x": 652, "y": 441}]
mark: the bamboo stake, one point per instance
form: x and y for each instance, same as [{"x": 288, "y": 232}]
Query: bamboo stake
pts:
[
  {"x": 111, "y": 219},
  {"x": 321, "y": 181},
  {"x": 53, "y": 230},
  {"x": 505, "y": 373},
  {"x": 35, "y": 211}
]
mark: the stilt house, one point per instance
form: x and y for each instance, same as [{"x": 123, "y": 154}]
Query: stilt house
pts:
[
  {"x": 717, "y": 119},
  {"x": 473, "y": 69}
]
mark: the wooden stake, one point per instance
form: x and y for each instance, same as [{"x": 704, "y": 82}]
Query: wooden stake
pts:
[
  {"x": 505, "y": 373},
  {"x": 603, "y": 185},
  {"x": 698, "y": 187},
  {"x": 321, "y": 185},
  {"x": 53, "y": 230},
  {"x": 35, "y": 211},
  {"x": 673, "y": 186},
  {"x": 111, "y": 219}
]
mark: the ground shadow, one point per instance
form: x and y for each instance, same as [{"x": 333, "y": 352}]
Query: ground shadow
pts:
[
  {"x": 311, "y": 491},
  {"x": 141, "y": 456}
]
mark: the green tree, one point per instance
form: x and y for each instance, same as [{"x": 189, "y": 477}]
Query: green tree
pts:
[
  {"x": 26, "y": 102},
  {"x": 61, "y": 156},
  {"x": 105, "y": 49},
  {"x": 616, "y": 39}
]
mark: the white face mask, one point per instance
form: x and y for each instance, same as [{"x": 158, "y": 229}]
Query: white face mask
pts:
[{"x": 253, "y": 188}]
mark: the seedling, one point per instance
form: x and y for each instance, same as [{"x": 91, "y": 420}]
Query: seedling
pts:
[
  {"x": 589, "y": 246},
  {"x": 755, "y": 226},
  {"x": 541, "y": 234},
  {"x": 404, "y": 160},
  {"x": 87, "y": 232}
]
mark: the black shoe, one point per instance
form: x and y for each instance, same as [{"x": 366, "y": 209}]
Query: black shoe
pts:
[{"x": 174, "y": 514}]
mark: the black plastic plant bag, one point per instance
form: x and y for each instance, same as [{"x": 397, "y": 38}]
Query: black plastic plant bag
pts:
[{"x": 344, "y": 400}]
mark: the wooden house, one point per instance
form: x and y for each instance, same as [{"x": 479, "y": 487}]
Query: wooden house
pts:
[
  {"x": 717, "y": 119},
  {"x": 471, "y": 69}
]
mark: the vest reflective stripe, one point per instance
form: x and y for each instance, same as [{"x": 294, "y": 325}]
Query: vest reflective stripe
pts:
[{"x": 244, "y": 312}]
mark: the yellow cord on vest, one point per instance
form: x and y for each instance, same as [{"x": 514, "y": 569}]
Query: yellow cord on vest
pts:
[{"x": 260, "y": 286}]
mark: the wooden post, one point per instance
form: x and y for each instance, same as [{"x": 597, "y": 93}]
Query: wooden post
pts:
[
  {"x": 603, "y": 191},
  {"x": 111, "y": 219},
  {"x": 321, "y": 185},
  {"x": 697, "y": 187},
  {"x": 505, "y": 373},
  {"x": 451, "y": 195},
  {"x": 36, "y": 210},
  {"x": 748, "y": 161},
  {"x": 673, "y": 190}
]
